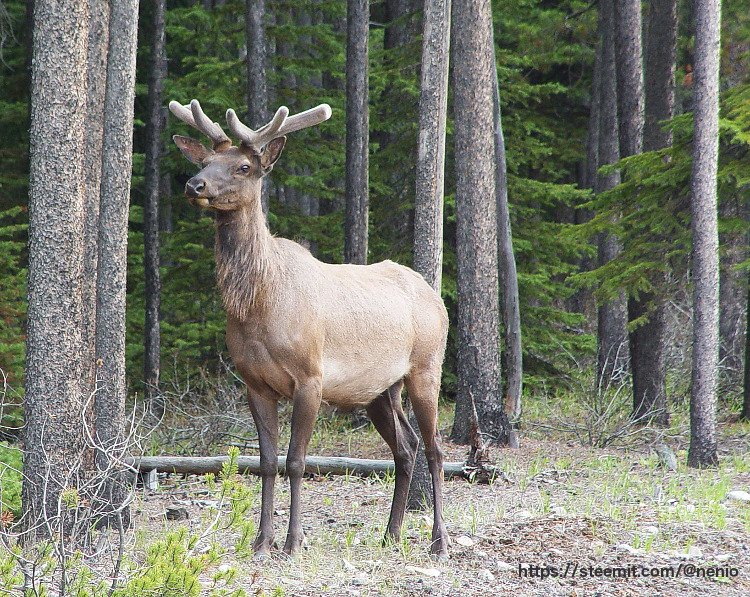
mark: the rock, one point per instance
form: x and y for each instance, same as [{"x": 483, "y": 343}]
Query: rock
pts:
[
  {"x": 224, "y": 568},
  {"x": 464, "y": 540},
  {"x": 630, "y": 549},
  {"x": 348, "y": 566},
  {"x": 149, "y": 480},
  {"x": 523, "y": 514},
  {"x": 667, "y": 458},
  {"x": 207, "y": 503},
  {"x": 723, "y": 557},
  {"x": 650, "y": 530},
  {"x": 433, "y": 572},
  {"x": 505, "y": 566},
  {"x": 176, "y": 513},
  {"x": 486, "y": 575},
  {"x": 360, "y": 579},
  {"x": 694, "y": 552},
  {"x": 739, "y": 496}
]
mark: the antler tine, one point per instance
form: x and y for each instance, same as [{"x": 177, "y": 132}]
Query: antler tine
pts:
[
  {"x": 305, "y": 119},
  {"x": 257, "y": 139},
  {"x": 204, "y": 124},
  {"x": 279, "y": 126},
  {"x": 193, "y": 115},
  {"x": 183, "y": 113}
]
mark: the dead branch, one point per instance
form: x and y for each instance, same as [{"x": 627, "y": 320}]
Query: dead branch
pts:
[{"x": 316, "y": 465}]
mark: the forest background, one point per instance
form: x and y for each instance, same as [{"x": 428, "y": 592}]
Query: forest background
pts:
[{"x": 545, "y": 53}]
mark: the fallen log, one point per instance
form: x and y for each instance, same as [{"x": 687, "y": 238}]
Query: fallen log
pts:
[{"x": 315, "y": 465}]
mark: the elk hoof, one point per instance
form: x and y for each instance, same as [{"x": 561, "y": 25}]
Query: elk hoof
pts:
[
  {"x": 294, "y": 544},
  {"x": 262, "y": 548},
  {"x": 439, "y": 549}
]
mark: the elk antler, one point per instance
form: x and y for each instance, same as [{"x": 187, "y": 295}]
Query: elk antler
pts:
[
  {"x": 281, "y": 124},
  {"x": 193, "y": 115}
]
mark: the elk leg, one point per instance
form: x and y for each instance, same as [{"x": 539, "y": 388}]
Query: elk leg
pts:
[
  {"x": 307, "y": 398},
  {"x": 387, "y": 416},
  {"x": 265, "y": 415},
  {"x": 423, "y": 389}
]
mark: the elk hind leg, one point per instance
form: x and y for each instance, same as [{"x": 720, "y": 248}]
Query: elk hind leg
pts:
[
  {"x": 388, "y": 417},
  {"x": 423, "y": 388}
]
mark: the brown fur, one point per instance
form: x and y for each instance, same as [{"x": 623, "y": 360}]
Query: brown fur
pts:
[{"x": 303, "y": 330}]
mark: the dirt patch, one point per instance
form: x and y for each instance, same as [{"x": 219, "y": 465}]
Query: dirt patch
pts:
[{"x": 576, "y": 511}]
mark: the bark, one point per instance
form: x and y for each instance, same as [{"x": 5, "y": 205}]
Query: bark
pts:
[
  {"x": 54, "y": 445},
  {"x": 287, "y": 195},
  {"x": 611, "y": 317},
  {"x": 732, "y": 295},
  {"x": 154, "y": 151},
  {"x": 430, "y": 180},
  {"x": 257, "y": 85},
  {"x": 705, "y": 253},
  {"x": 583, "y": 301},
  {"x": 357, "y": 137},
  {"x": 745, "y": 414},
  {"x": 647, "y": 342},
  {"x": 402, "y": 24},
  {"x": 98, "y": 42},
  {"x": 629, "y": 58},
  {"x": 592, "y": 132},
  {"x": 402, "y": 30},
  {"x": 307, "y": 202},
  {"x": 113, "y": 236},
  {"x": 314, "y": 465},
  {"x": 508, "y": 276},
  {"x": 476, "y": 226}
]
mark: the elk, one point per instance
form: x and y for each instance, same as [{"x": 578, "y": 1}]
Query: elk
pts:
[{"x": 302, "y": 330}]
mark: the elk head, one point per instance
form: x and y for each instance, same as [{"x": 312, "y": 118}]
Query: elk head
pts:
[{"x": 230, "y": 176}]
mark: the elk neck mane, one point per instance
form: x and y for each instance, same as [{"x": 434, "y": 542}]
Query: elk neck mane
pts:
[{"x": 245, "y": 265}]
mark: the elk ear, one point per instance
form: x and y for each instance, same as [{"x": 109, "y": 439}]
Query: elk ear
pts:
[
  {"x": 192, "y": 149},
  {"x": 271, "y": 153}
]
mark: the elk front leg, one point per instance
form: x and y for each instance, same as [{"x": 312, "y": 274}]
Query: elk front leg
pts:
[
  {"x": 265, "y": 415},
  {"x": 307, "y": 398}
]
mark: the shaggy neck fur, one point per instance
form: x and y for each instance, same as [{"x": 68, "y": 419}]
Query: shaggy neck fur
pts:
[{"x": 244, "y": 259}]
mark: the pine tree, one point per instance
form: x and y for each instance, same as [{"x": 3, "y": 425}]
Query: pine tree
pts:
[{"x": 705, "y": 257}]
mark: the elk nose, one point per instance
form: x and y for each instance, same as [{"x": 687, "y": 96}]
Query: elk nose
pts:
[{"x": 194, "y": 187}]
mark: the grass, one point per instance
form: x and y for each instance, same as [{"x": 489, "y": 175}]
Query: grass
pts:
[{"x": 563, "y": 500}]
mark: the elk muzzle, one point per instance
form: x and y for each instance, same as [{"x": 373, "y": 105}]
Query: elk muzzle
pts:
[{"x": 196, "y": 190}]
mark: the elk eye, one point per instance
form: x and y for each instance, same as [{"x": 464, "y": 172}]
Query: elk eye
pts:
[{"x": 245, "y": 168}]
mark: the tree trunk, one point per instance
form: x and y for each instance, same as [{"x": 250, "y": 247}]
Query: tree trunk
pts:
[
  {"x": 476, "y": 226},
  {"x": 98, "y": 42},
  {"x": 592, "y": 132},
  {"x": 257, "y": 85},
  {"x": 55, "y": 448},
  {"x": 113, "y": 237},
  {"x": 732, "y": 295},
  {"x": 357, "y": 137},
  {"x": 745, "y": 414},
  {"x": 508, "y": 276},
  {"x": 629, "y": 59},
  {"x": 154, "y": 150},
  {"x": 647, "y": 342},
  {"x": 583, "y": 300},
  {"x": 611, "y": 317},
  {"x": 430, "y": 180},
  {"x": 705, "y": 255}
]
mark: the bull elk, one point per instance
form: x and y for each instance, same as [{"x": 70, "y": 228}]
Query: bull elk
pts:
[{"x": 302, "y": 330}]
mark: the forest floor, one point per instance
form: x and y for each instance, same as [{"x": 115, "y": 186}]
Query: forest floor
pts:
[{"x": 577, "y": 514}]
